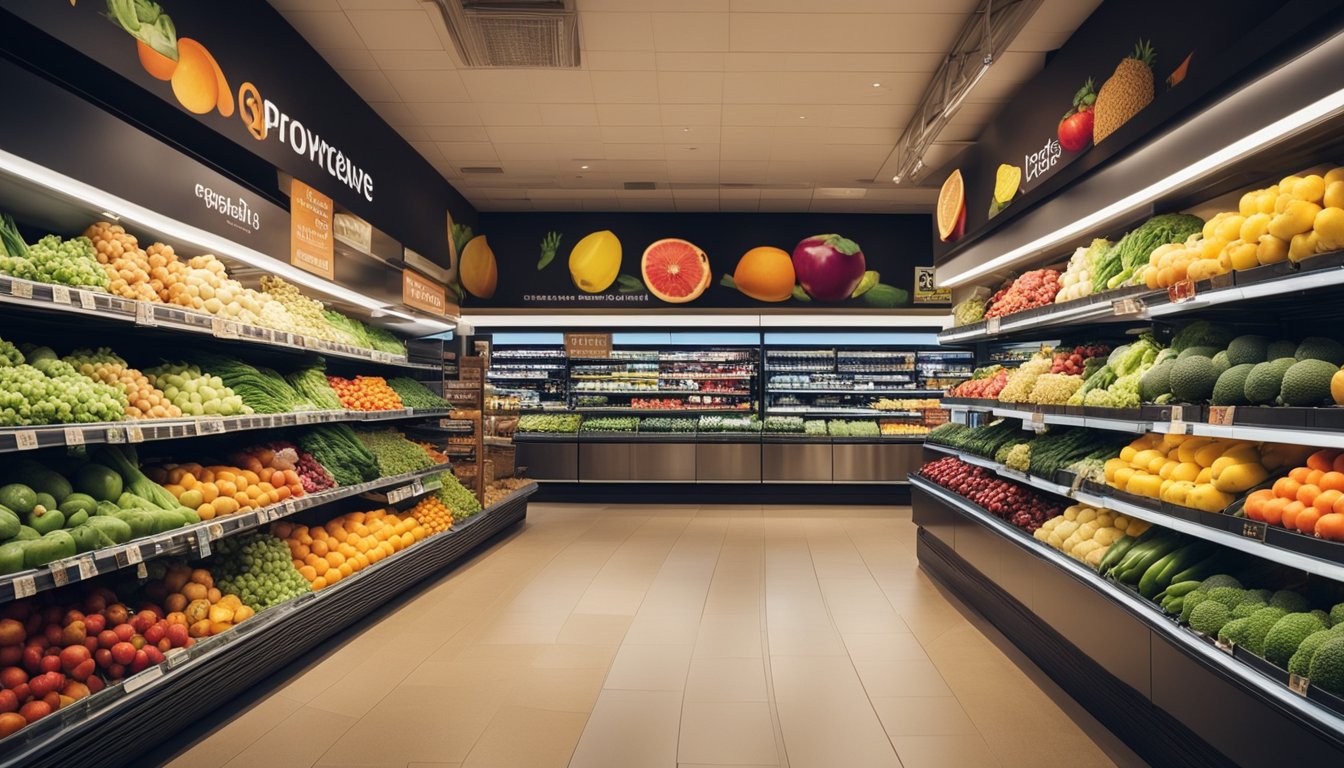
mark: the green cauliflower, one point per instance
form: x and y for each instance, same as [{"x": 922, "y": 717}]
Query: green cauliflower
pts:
[
  {"x": 1290, "y": 601},
  {"x": 1209, "y": 617},
  {"x": 1281, "y": 349},
  {"x": 1262, "y": 621},
  {"x": 1221, "y": 580},
  {"x": 1337, "y": 614},
  {"x": 1192, "y": 601},
  {"x": 1300, "y": 663},
  {"x": 1248, "y": 349},
  {"x": 1287, "y": 634},
  {"x": 1245, "y": 608},
  {"x": 1228, "y": 596},
  {"x": 1327, "y": 665},
  {"x": 1202, "y": 333},
  {"x": 1320, "y": 348},
  {"x": 1235, "y": 632}
]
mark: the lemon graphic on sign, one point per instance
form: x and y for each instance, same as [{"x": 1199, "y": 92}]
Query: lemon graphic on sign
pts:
[{"x": 1006, "y": 182}]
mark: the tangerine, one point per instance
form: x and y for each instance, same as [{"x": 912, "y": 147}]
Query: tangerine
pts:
[{"x": 765, "y": 274}]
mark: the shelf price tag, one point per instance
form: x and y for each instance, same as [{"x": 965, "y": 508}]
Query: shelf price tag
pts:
[
  {"x": 1227, "y": 648},
  {"x": 60, "y": 294},
  {"x": 115, "y": 435},
  {"x": 1178, "y": 425},
  {"x": 1298, "y": 684},
  {"x": 210, "y": 427},
  {"x": 26, "y": 440},
  {"x": 87, "y": 300},
  {"x": 144, "y": 314},
  {"x": 1125, "y": 307},
  {"x": 74, "y": 436},
  {"x": 138, "y": 681},
  {"x": 24, "y": 586},
  {"x": 1181, "y": 292},
  {"x": 203, "y": 542},
  {"x": 992, "y": 325},
  {"x": 141, "y": 572},
  {"x": 134, "y": 434},
  {"x": 59, "y": 576},
  {"x": 130, "y": 556},
  {"x": 223, "y": 329},
  {"x": 87, "y": 567},
  {"x": 21, "y": 288},
  {"x": 1222, "y": 415},
  {"x": 1253, "y": 529}
]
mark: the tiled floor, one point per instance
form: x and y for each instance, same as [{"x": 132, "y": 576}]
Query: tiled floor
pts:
[{"x": 676, "y": 637}]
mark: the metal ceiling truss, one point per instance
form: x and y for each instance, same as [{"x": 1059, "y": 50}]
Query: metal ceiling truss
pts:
[{"x": 986, "y": 35}]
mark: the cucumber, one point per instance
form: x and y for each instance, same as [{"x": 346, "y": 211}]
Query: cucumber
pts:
[
  {"x": 1183, "y": 588},
  {"x": 1201, "y": 569},
  {"x": 1148, "y": 586},
  {"x": 1115, "y": 554},
  {"x": 1176, "y": 606},
  {"x": 1190, "y": 554},
  {"x": 1159, "y": 551}
]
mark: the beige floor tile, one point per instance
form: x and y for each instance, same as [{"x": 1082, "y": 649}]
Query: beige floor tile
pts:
[
  {"x": 279, "y": 747},
  {"x": 663, "y": 628},
  {"x": 943, "y": 751},
  {"x": 727, "y": 734},
  {"x": 430, "y": 723},
  {"x": 823, "y": 712},
  {"x": 918, "y": 677},
  {"x": 867, "y": 622},
  {"x": 726, "y": 680},
  {"x": 729, "y": 636},
  {"x": 223, "y": 744},
  {"x": 649, "y": 668},
  {"x": 631, "y": 729},
  {"x": 559, "y": 690},
  {"x": 514, "y": 629},
  {"x": 433, "y": 765},
  {"x": 923, "y": 716},
  {"x": 575, "y": 657},
  {"x": 587, "y": 629},
  {"x": 824, "y": 641},
  {"x": 521, "y": 736},
  {"x": 887, "y": 646},
  {"x": 619, "y": 602}
]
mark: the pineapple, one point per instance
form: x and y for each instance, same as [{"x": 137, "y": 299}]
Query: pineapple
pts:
[{"x": 1127, "y": 92}]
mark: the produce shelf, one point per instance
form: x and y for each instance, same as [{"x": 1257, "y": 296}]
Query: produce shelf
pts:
[
  {"x": 56, "y": 435},
  {"x": 1265, "y": 687},
  {"x": 1124, "y": 305},
  {"x": 164, "y": 699},
  {"x": 196, "y": 539},
  {"x": 658, "y": 392},
  {"x": 1220, "y": 528},
  {"x": 795, "y": 411},
  {"x": 769, "y": 390},
  {"x": 661, "y": 411},
  {"x": 62, "y": 299}
]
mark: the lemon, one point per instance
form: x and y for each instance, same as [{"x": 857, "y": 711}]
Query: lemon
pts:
[
  {"x": 595, "y": 261},
  {"x": 1006, "y": 182}
]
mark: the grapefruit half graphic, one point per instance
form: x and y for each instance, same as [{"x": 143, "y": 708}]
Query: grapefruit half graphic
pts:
[
  {"x": 675, "y": 270},
  {"x": 952, "y": 208}
]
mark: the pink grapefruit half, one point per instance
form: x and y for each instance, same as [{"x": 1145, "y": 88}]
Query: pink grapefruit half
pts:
[{"x": 675, "y": 270}]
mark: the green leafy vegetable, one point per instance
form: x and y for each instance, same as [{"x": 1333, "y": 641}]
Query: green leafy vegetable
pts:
[
  {"x": 548, "y": 247},
  {"x": 146, "y": 22}
]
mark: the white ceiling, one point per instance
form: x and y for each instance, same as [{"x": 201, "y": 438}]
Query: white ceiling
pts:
[{"x": 803, "y": 100}]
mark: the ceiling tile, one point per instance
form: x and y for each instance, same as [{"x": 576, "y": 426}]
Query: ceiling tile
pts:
[
  {"x": 690, "y": 31},
  {"x": 445, "y": 113},
  {"x": 601, "y": 31},
  {"x": 749, "y": 114},
  {"x": 285, "y": 6},
  {"x": 784, "y": 206},
  {"x": 969, "y": 121},
  {"x": 498, "y": 85},
  {"x": 509, "y": 114},
  {"x": 370, "y": 84},
  {"x": 870, "y": 116},
  {"x": 691, "y": 134},
  {"x": 429, "y": 150},
  {"x": 412, "y": 132},
  {"x": 631, "y": 134},
  {"x": 645, "y": 170},
  {"x": 396, "y": 113},
  {"x": 680, "y": 61},
  {"x": 684, "y": 193},
  {"x": 1008, "y": 72},
  {"x": 1053, "y": 24},
  {"x": 536, "y": 134},
  {"x": 629, "y": 114},
  {"x": 569, "y": 114},
  {"x": 786, "y": 194},
  {"x": 654, "y": 5},
  {"x": 692, "y": 114},
  {"x": 379, "y": 5},
  {"x": 325, "y": 30},
  {"x": 693, "y": 171},
  {"x": 732, "y": 134},
  {"x": 524, "y": 153},
  {"x": 690, "y": 87},
  {"x": 647, "y": 205},
  {"x": 561, "y": 86},
  {"x": 695, "y": 205},
  {"x": 629, "y": 87},
  {"x": 743, "y": 171},
  {"x": 870, "y": 33},
  {"x": 636, "y": 152},
  {"x": 456, "y": 133},
  {"x": 415, "y": 86},
  {"x": 344, "y": 59},
  {"x": 775, "y": 61},
  {"x": 744, "y": 152},
  {"x": 620, "y": 61},
  {"x": 702, "y": 151},
  {"x": 821, "y": 88},
  {"x": 417, "y": 60},
  {"x": 886, "y": 136},
  {"x": 396, "y": 30},
  {"x": 469, "y": 153},
  {"x": 854, "y": 6},
  {"x": 580, "y": 153}
]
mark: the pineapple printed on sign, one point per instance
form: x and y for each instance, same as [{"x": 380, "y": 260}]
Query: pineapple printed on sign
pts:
[{"x": 1125, "y": 93}]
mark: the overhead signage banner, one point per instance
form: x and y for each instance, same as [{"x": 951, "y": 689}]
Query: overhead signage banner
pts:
[
  {"x": 593, "y": 345},
  {"x": 310, "y": 239},
  {"x": 422, "y": 293}
]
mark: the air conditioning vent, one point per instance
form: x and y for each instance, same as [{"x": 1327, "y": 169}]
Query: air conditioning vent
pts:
[
  {"x": 514, "y": 33},
  {"x": 641, "y": 185},
  {"x": 481, "y": 169}
]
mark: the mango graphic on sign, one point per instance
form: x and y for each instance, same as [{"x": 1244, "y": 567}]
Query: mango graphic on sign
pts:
[{"x": 196, "y": 79}]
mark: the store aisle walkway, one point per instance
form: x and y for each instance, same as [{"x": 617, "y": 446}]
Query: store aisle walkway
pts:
[{"x": 630, "y": 636}]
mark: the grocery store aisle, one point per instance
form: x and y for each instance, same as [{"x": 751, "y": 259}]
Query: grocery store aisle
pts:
[{"x": 629, "y": 636}]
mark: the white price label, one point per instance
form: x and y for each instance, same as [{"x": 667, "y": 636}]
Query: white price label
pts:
[
  {"x": 134, "y": 434},
  {"x": 116, "y": 435},
  {"x": 87, "y": 300},
  {"x": 59, "y": 576},
  {"x": 1125, "y": 307},
  {"x": 1298, "y": 684},
  {"x": 144, "y": 314},
  {"x": 210, "y": 427},
  {"x": 992, "y": 325},
  {"x": 22, "y": 289},
  {"x": 24, "y": 586},
  {"x": 203, "y": 542},
  {"x": 60, "y": 294},
  {"x": 25, "y": 439},
  {"x": 141, "y": 572},
  {"x": 216, "y": 530},
  {"x": 133, "y": 555},
  {"x": 87, "y": 567},
  {"x": 224, "y": 329},
  {"x": 74, "y": 436},
  {"x": 138, "y": 681}
]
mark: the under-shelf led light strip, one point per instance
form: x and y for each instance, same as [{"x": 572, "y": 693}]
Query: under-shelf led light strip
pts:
[
  {"x": 1255, "y": 142},
  {"x": 170, "y": 228}
]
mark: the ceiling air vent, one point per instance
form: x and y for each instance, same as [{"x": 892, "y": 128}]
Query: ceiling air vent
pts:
[
  {"x": 513, "y": 33},
  {"x": 639, "y": 185},
  {"x": 481, "y": 169}
]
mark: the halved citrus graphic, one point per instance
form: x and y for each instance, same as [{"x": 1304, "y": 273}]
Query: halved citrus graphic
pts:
[
  {"x": 160, "y": 67},
  {"x": 196, "y": 78},
  {"x": 952, "y": 208},
  {"x": 765, "y": 274},
  {"x": 675, "y": 270}
]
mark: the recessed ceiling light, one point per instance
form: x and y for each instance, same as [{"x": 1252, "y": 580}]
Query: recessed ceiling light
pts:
[
  {"x": 802, "y": 117},
  {"x": 685, "y": 130},
  {"x": 877, "y": 85},
  {"x": 583, "y": 167}
]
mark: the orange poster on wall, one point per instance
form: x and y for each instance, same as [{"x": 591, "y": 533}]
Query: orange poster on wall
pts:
[
  {"x": 422, "y": 293},
  {"x": 311, "y": 246}
]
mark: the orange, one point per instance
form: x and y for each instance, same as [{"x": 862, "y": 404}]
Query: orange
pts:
[
  {"x": 334, "y": 559},
  {"x": 1323, "y": 460},
  {"x": 1331, "y": 527},
  {"x": 1307, "y": 494},
  {"x": 1314, "y": 477},
  {"x": 347, "y": 568},
  {"x": 1307, "y": 519},
  {"x": 1291, "y": 512},
  {"x": 1286, "y": 487},
  {"x": 1332, "y": 481},
  {"x": 319, "y": 583},
  {"x": 765, "y": 274},
  {"x": 308, "y": 572},
  {"x": 1325, "y": 502},
  {"x": 1255, "y": 503},
  {"x": 1299, "y": 474},
  {"x": 319, "y": 547}
]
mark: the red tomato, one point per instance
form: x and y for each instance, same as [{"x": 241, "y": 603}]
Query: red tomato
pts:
[{"x": 1075, "y": 131}]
